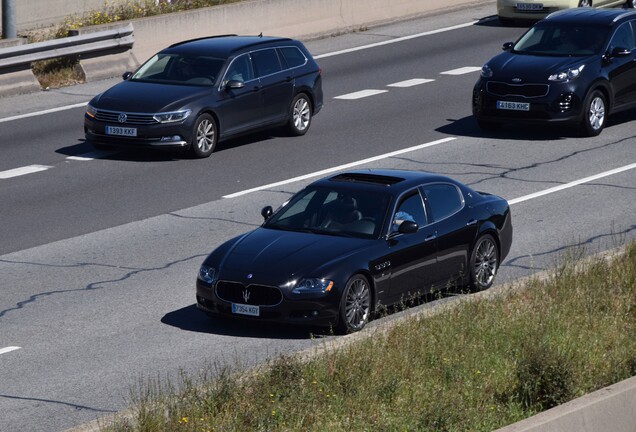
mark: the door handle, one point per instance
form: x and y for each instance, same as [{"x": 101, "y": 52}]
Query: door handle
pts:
[
  {"x": 471, "y": 222},
  {"x": 430, "y": 237}
]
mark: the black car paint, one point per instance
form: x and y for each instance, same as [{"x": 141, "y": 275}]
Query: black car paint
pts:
[
  {"x": 610, "y": 71},
  {"x": 397, "y": 265}
]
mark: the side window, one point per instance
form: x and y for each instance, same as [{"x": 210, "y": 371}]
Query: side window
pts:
[
  {"x": 293, "y": 56},
  {"x": 410, "y": 208},
  {"x": 266, "y": 62},
  {"x": 240, "y": 69},
  {"x": 623, "y": 38},
  {"x": 443, "y": 200}
]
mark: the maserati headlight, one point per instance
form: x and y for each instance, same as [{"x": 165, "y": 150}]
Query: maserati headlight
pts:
[
  {"x": 486, "y": 72},
  {"x": 171, "y": 117},
  {"x": 313, "y": 286},
  {"x": 566, "y": 75},
  {"x": 207, "y": 274}
]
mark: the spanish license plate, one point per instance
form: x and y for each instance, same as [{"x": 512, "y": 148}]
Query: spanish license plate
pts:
[
  {"x": 529, "y": 6},
  {"x": 121, "y": 131},
  {"x": 242, "y": 309},
  {"x": 513, "y": 106}
]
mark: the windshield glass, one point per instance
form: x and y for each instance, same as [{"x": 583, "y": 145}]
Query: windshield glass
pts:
[
  {"x": 179, "y": 69},
  {"x": 332, "y": 211},
  {"x": 560, "y": 40}
]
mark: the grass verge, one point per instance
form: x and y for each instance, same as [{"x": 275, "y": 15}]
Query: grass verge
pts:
[{"x": 476, "y": 366}]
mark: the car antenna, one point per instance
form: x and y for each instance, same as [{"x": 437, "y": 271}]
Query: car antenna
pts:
[{"x": 260, "y": 35}]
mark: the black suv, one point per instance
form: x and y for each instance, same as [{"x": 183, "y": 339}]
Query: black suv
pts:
[
  {"x": 575, "y": 66},
  {"x": 195, "y": 93}
]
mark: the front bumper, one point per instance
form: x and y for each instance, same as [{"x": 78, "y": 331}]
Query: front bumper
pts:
[
  {"x": 171, "y": 135},
  {"x": 322, "y": 311}
]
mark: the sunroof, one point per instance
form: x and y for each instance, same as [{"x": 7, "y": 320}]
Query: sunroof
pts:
[{"x": 367, "y": 178}]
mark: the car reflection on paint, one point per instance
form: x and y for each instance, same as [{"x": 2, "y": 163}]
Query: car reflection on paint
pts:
[{"x": 350, "y": 242}]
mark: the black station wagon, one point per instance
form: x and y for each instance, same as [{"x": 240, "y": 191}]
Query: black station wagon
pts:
[{"x": 195, "y": 93}]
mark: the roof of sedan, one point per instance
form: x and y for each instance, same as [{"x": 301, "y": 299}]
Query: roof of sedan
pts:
[
  {"x": 590, "y": 15},
  {"x": 385, "y": 178},
  {"x": 223, "y": 45}
]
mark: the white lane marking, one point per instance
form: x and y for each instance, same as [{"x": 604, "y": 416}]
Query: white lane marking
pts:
[
  {"x": 92, "y": 155},
  {"x": 342, "y": 167},
  {"x": 396, "y": 40},
  {"x": 8, "y": 349},
  {"x": 411, "y": 82},
  {"x": 360, "y": 94},
  {"x": 47, "y": 111},
  {"x": 23, "y": 171},
  {"x": 462, "y": 71},
  {"x": 572, "y": 184}
]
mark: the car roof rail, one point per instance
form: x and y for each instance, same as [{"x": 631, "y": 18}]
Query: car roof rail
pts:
[{"x": 201, "y": 38}]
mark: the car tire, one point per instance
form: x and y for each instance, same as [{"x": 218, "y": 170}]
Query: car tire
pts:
[
  {"x": 629, "y": 4},
  {"x": 355, "y": 305},
  {"x": 300, "y": 115},
  {"x": 594, "y": 113},
  {"x": 484, "y": 261},
  {"x": 204, "y": 136}
]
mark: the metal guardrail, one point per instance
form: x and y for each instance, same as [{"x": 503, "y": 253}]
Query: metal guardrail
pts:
[{"x": 88, "y": 43}]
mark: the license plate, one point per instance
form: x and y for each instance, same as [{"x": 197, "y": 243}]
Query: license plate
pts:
[
  {"x": 514, "y": 106},
  {"x": 242, "y": 309},
  {"x": 122, "y": 131},
  {"x": 529, "y": 6}
]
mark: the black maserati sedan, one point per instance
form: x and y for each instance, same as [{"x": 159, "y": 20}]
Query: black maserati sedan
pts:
[
  {"x": 195, "y": 93},
  {"x": 576, "y": 67},
  {"x": 346, "y": 244}
]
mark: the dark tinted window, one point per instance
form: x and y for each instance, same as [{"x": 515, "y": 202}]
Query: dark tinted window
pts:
[
  {"x": 443, "y": 200},
  {"x": 240, "y": 69},
  {"x": 266, "y": 62},
  {"x": 293, "y": 56},
  {"x": 623, "y": 37},
  {"x": 411, "y": 208}
]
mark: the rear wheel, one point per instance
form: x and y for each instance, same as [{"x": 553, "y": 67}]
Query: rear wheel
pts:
[
  {"x": 204, "y": 136},
  {"x": 355, "y": 305},
  {"x": 594, "y": 110},
  {"x": 483, "y": 263},
  {"x": 300, "y": 115}
]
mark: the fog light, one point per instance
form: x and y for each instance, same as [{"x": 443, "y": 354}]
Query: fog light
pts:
[{"x": 171, "y": 138}]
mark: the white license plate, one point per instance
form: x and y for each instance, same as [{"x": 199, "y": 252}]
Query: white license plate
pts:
[
  {"x": 513, "y": 106},
  {"x": 242, "y": 309},
  {"x": 122, "y": 131},
  {"x": 529, "y": 6}
]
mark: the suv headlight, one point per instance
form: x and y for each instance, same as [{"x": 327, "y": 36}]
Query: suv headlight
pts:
[
  {"x": 566, "y": 75},
  {"x": 171, "y": 117},
  {"x": 313, "y": 286},
  {"x": 207, "y": 274},
  {"x": 486, "y": 72}
]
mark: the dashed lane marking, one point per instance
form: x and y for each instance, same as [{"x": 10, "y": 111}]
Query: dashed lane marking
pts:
[
  {"x": 360, "y": 94},
  {"x": 462, "y": 70},
  {"x": 23, "y": 171},
  {"x": 411, "y": 82},
  {"x": 8, "y": 349}
]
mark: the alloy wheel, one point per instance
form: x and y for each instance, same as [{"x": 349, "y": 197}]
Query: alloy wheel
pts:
[
  {"x": 485, "y": 262},
  {"x": 357, "y": 304},
  {"x": 301, "y": 114}
]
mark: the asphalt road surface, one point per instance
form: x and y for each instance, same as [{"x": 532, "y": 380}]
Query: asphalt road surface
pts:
[{"x": 99, "y": 250}]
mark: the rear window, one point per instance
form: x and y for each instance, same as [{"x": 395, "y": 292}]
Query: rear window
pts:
[{"x": 293, "y": 56}]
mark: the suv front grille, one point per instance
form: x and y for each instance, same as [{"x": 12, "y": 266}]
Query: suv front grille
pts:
[
  {"x": 130, "y": 118},
  {"x": 257, "y": 295},
  {"x": 523, "y": 90}
]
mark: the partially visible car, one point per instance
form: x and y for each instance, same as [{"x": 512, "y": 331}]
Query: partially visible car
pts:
[
  {"x": 348, "y": 243},
  {"x": 575, "y": 67},
  {"x": 531, "y": 10},
  {"x": 195, "y": 93}
]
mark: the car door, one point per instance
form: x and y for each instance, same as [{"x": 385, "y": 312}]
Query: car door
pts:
[
  {"x": 622, "y": 69},
  {"x": 240, "y": 108},
  {"x": 455, "y": 230},
  {"x": 412, "y": 257},
  {"x": 277, "y": 85}
]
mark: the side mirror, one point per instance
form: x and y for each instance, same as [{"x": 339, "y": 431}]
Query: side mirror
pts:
[
  {"x": 620, "y": 52},
  {"x": 126, "y": 75},
  {"x": 508, "y": 46},
  {"x": 267, "y": 212},
  {"x": 408, "y": 227},
  {"x": 234, "y": 84}
]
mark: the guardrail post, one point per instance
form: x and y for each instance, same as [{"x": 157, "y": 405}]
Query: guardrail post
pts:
[{"x": 106, "y": 64}]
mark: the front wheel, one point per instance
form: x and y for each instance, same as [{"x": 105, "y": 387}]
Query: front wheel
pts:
[
  {"x": 483, "y": 263},
  {"x": 355, "y": 305},
  {"x": 594, "y": 110},
  {"x": 300, "y": 115},
  {"x": 204, "y": 136}
]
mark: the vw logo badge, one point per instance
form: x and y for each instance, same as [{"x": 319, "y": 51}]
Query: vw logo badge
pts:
[
  {"x": 250, "y": 276},
  {"x": 122, "y": 118}
]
